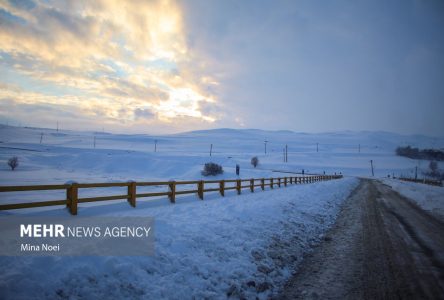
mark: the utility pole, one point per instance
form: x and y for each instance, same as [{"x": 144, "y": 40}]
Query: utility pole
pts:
[
  {"x": 317, "y": 147},
  {"x": 211, "y": 149},
  {"x": 155, "y": 145},
  {"x": 57, "y": 126},
  {"x": 371, "y": 163},
  {"x": 41, "y": 137},
  {"x": 265, "y": 143},
  {"x": 286, "y": 153}
]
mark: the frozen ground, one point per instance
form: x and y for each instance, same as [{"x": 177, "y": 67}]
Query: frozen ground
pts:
[
  {"x": 428, "y": 197},
  {"x": 243, "y": 246}
]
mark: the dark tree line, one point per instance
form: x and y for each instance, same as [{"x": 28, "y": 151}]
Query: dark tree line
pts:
[{"x": 415, "y": 153}]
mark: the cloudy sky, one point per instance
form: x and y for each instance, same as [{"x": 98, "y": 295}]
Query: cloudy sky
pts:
[{"x": 170, "y": 66}]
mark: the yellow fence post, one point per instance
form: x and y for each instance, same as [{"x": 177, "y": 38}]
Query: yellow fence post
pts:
[
  {"x": 74, "y": 198},
  {"x": 200, "y": 189},
  {"x": 172, "y": 191},
  {"x": 285, "y": 181},
  {"x": 238, "y": 186},
  {"x": 222, "y": 188},
  {"x": 132, "y": 193},
  {"x": 271, "y": 182},
  {"x": 279, "y": 182},
  {"x": 263, "y": 184}
]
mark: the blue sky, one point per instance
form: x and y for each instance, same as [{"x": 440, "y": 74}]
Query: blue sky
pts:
[{"x": 166, "y": 66}]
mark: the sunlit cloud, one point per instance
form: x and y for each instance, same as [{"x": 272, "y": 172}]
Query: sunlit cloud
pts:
[{"x": 121, "y": 62}]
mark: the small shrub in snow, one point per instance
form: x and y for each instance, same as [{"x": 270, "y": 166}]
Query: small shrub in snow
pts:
[
  {"x": 212, "y": 169},
  {"x": 13, "y": 162},
  {"x": 255, "y": 161},
  {"x": 434, "y": 171}
]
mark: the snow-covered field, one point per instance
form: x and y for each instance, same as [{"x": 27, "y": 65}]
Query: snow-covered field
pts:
[
  {"x": 428, "y": 197},
  {"x": 64, "y": 156},
  {"x": 244, "y": 246},
  {"x": 70, "y": 155}
]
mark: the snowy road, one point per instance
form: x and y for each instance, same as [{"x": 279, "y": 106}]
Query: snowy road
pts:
[{"x": 382, "y": 247}]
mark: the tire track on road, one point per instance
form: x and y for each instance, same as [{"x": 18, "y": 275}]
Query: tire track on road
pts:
[{"x": 382, "y": 247}]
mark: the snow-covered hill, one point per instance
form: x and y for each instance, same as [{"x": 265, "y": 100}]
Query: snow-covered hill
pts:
[{"x": 70, "y": 155}]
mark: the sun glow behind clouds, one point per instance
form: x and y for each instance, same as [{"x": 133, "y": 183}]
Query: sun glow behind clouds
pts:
[
  {"x": 120, "y": 58},
  {"x": 183, "y": 101}
]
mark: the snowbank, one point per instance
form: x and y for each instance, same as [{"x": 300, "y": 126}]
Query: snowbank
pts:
[
  {"x": 243, "y": 246},
  {"x": 428, "y": 197}
]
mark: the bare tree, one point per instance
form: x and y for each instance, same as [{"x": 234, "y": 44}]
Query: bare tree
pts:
[
  {"x": 255, "y": 161},
  {"x": 13, "y": 162}
]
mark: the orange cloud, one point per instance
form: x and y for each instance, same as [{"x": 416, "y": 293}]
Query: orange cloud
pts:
[{"x": 120, "y": 57}]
